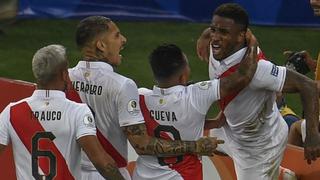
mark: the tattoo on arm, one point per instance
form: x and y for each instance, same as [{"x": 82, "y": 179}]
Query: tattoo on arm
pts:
[
  {"x": 147, "y": 145},
  {"x": 110, "y": 171},
  {"x": 308, "y": 90}
]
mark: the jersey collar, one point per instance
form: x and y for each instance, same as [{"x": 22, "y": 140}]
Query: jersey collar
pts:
[
  {"x": 46, "y": 94},
  {"x": 95, "y": 64},
  {"x": 229, "y": 61},
  {"x": 167, "y": 91}
]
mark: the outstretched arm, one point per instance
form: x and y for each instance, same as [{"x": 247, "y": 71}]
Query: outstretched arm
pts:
[
  {"x": 242, "y": 77},
  {"x": 308, "y": 90},
  {"x": 147, "y": 145},
  {"x": 100, "y": 159}
]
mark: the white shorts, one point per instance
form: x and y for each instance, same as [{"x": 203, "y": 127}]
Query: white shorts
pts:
[{"x": 94, "y": 174}]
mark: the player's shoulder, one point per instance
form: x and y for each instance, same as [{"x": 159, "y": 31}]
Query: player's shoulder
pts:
[
  {"x": 75, "y": 106},
  {"x": 144, "y": 91}
]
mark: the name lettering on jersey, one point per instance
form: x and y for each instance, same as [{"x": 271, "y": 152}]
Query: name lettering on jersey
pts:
[
  {"x": 87, "y": 88},
  {"x": 47, "y": 115},
  {"x": 163, "y": 115},
  {"x": 275, "y": 71}
]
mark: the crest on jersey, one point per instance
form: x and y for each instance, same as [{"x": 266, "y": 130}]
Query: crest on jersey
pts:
[
  {"x": 204, "y": 85},
  {"x": 161, "y": 101},
  {"x": 88, "y": 121},
  {"x": 133, "y": 107}
]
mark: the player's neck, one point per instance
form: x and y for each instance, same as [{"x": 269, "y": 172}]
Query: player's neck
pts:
[
  {"x": 169, "y": 84},
  {"x": 60, "y": 86}
]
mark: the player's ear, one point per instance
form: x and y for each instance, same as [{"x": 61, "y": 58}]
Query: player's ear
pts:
[
  {"x": 242, "y": 36},
  {"x": 184, "y": 77},
  {"x": 101, "y": 45},
  {"x": 65, "y": 75}
]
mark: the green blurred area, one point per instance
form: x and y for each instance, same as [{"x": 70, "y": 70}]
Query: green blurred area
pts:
[{"x": 20, "y": 40}]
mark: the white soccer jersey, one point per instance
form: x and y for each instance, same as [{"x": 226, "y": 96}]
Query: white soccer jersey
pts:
[
  {"x": 115, "y": 102},
  {"x": 255, "y": 133},
  {"x": 175, "y": 113},
  {"x": 58, "y": 119}
]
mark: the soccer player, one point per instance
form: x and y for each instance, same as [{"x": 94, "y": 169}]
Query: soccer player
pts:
[
  {"x": 175, "y": 110},
  {"x": 114, "y": 99},
  {"x": 47, "y": 131},
  {"x": 255, "y": 132}
]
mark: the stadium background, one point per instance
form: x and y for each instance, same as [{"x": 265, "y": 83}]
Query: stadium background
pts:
[{"x": 27, "y": 25}]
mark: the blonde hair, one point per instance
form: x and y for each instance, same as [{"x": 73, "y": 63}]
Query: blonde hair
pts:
[{"x": 47, "y": 61}]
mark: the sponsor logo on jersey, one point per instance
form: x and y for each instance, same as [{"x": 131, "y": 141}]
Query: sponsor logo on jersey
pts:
[
  {"x": 88, "y": 121},
  {"x": 133, "y": 107},
  {"x": 275, "y": 71}
]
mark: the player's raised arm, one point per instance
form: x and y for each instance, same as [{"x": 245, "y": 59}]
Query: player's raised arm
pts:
[
  {"x": 203, "y": 45},
  {"x": 242, "y": 77},
  {"x": 100, "y": 159},
  {"x": 308, "y": 90},
  {"x": 147, "y": 145}
]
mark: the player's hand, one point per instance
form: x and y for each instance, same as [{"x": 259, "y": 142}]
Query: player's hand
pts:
[
  {"x": 306, "y": 57},
  {"x": 203, "y": 45},
  {"x": 206, "y": 146},
  {"x": 312, "y": 147},
  {"x": 251, "y": 39}
]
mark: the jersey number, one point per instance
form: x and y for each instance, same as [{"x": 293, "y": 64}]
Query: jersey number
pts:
[
  {"x": 176, "y": 136},
  {"x": 36, "y": 153}
]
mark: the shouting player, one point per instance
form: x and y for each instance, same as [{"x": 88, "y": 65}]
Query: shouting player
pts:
[
  {"x": 255, "y": 132},
  {"x": 115, "y": 101}
]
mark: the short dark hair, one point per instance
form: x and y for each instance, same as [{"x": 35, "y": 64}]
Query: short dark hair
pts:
[
  {"x": 166, "y": 60},
  {"x": 235, "y": 12},
  {"x": 89, "y": 28}
]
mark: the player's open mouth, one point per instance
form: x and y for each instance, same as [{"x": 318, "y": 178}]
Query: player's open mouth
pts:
[{"x": 216, "y": 48}]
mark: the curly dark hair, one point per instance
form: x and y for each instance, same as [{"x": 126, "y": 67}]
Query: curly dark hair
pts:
[{"x": 235, "y": 12}]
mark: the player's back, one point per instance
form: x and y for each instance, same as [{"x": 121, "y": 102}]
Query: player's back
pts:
[
  {"x": 102, "y": 88},
  {"x": 175, "y": 113},
  {"x": 46, "y": 126}
]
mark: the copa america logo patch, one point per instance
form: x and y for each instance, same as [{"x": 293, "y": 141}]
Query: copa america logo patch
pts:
[
  {"x": 133, "y": 107},
  {"x": 275, "y": 71},
  {"x": 88, "y": 121}
]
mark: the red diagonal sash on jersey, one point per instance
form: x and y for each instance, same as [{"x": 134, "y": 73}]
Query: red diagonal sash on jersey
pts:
[
  {"x": 226, "y": 100},
  {"x": 190, "y": 168},
  {"x": 26, "y": 125},
  {"x": 73, "y": 95}
]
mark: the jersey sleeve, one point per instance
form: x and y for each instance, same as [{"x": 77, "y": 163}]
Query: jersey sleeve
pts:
[
  {"x": 4, "y": 126},
  {"x": 268, "y": 76},
  {"x": 85, "y": 124},
  {"x": 204, "y": 93},
  {"x": 129, "y": 112}
]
